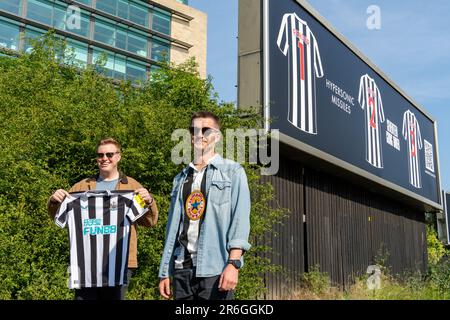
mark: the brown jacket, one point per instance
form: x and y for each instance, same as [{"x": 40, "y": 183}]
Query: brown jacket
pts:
[{"x": 125, "y": 183}]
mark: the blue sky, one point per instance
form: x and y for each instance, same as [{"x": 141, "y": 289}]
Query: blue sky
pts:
[{"x": 412, "y": 48}]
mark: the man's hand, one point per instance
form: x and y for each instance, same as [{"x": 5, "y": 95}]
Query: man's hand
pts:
[
  {"x": 229, "y": 278},
  {"x": 145, "y": 195},
  {"x": 59, "y": 196},
  {"x": 164, "y": 288}
]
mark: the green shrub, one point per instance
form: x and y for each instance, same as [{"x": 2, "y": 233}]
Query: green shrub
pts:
[{"x": 53, "y": 114}]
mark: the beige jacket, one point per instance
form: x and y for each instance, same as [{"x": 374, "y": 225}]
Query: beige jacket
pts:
[{"x": 125, "y": 183}]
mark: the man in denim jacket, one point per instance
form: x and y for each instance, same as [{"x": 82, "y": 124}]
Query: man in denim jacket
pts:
[{"x": 209, "y": 221}]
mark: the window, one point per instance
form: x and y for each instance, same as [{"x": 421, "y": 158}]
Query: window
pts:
[
  {"x": 39, "y": 11},
  {"x": 121, "y": 38},
  {"x": 120, "y": 67},
  {"x": 123, "y": 9},
  {"x": 104, "y": 32},
  {"x": 186, "y": 2},
  {"x": 160, "y": 50},
  {"x": 108, "y": 68},
  {"x": 86, "y": 2},
  {"x": 79, "y": 51},
  {"x": 12, "y": 6},
  {"x": 136, "y": 70},
  {"x": 59, "y": 17},
  {"x": 153, "y": 70},
  {"x": 109, "y": 6},
  {"x": 9, "y": 36},
  {"x": 138, "y": 14},
  {"x": 161, "y": 21},
  {"x": 137, "y": 43},
  {"x": 31, "y": 33},
  {"x": 84, "y": 26}
]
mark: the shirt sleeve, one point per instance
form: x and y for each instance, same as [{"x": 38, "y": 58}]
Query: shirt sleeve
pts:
[
  {"x": 362, "y": 93},
  {"x": 62, "y": 214},
  {"x": 405, "y": 126},
  {"x": 283, "y": 34},
  {"x": 239, "y": 230},
  {"x": 136, "y": 207},
  {"x": 317, "y": 60}
]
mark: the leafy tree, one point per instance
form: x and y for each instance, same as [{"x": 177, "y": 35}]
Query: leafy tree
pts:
[{"x": 53, "y": 113}]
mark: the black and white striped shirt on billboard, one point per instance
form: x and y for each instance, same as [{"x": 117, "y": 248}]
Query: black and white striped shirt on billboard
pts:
[
  {"x": 99, "y": 232},
  {"x": 370, "y": 101},
  {"x": 304, "y": 66},
  {"x": 411, "y": 133}
]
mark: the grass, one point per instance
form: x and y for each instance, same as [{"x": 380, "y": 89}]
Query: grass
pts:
[{"x": 435, "y": 285}]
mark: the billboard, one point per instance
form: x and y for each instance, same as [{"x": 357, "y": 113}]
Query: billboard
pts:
[{"x": 328, "y": 100}]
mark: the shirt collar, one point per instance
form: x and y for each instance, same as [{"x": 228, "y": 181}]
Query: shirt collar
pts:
[{"x": 191, "y": 165}]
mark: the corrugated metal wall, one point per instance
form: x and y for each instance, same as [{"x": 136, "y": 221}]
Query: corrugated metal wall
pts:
[{"x": 347, "y": 229}]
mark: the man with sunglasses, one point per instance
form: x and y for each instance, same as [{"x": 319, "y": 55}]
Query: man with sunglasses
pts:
[
  {"x": 110, "y": 178},
  {"x": 209, "y": 221}
]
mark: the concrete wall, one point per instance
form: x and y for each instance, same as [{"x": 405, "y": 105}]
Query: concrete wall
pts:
[{"x": 193, "y": 32}]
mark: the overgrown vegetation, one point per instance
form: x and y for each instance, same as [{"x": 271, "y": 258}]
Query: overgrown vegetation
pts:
[
  {"x": 435, "y": 285},
  {"x": 52, "y": 115}
]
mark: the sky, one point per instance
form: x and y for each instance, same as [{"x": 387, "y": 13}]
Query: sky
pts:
[{"x": 412, "y": 47}]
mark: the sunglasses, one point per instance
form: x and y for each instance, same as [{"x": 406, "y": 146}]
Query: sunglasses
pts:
[
  {"x": 206, "y": 131},
  {"x": 109, "y": 155}
]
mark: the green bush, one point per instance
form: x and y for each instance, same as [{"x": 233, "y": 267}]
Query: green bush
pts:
[{"x": 53, "y": 114}]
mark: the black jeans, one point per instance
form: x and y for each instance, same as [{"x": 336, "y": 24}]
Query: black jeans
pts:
[
  {"x": 104, "y": 293},
  {"x": 186, "y": 286}
]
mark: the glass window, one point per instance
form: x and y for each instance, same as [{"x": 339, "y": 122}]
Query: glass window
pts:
[
  {"x": 121, "y": 38},
  {"x": 138, "y": 14},
  {"x": 161, "y": 21},
  {"x": 153, "y": 70},
  {"x": 108, "y": 68},
  {"x": 123, "y": 9},
  {"x": 137, "y": 44},
  {"x": 79, "y": 51},
  {"x": 186, "y": 2},
  {"x": 9, "y": 36},
  {"x": 82, "y": 29},
  {"x": 119, "y": 67},
  {"x": 86, "y": 2},
  {"x": 136, "y": 70},
  {"x": 109, "y": 6},
  {"x": 31, "y": 33},
  {"x": 160, "y": 50},
  {"x": 104, "y": 32},
  {"x": 59, "y": 17},
  {"x": 39, "y": 11},
  {"x": 12, "y": 6}
]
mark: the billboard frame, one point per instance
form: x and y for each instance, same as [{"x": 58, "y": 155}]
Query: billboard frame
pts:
[{"x": 429, "y": 204}]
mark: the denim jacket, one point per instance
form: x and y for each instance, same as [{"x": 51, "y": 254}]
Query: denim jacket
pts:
[{"x": 226, "y": 224}]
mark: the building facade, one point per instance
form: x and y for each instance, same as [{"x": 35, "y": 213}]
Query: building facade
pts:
[{"x": 135, "y": 35}]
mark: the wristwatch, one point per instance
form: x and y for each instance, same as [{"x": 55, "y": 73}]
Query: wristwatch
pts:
[{"x": 236, "y": 263}]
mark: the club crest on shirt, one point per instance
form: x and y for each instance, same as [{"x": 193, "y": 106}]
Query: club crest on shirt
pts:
[
  {"x": 113, "y": 205},
  {"x": 195, "y": 205}
]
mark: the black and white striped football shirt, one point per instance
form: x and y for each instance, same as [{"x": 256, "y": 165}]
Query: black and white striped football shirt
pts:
[
  {"x": 370, "y": 101},
  {"x": 99, "y": 232},
  {"x": 297, "y": 42}
]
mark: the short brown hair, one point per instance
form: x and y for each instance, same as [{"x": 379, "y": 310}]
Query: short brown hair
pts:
[
  {"x": 109, "y": 141},
  {"x": 206, "y": 114}
]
